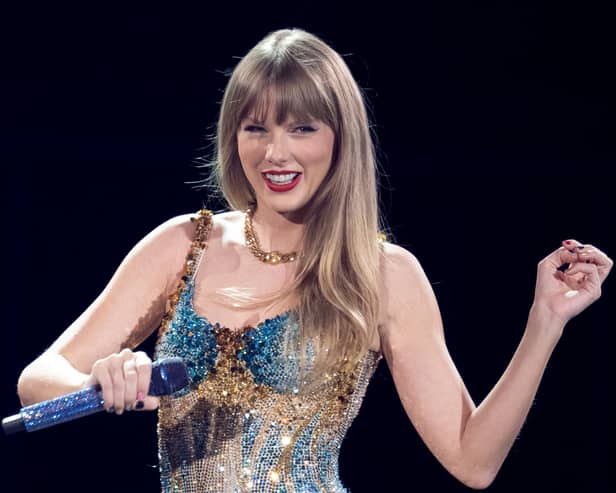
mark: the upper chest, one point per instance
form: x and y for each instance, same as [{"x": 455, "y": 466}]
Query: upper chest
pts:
[{"x": 235, "y": 289}]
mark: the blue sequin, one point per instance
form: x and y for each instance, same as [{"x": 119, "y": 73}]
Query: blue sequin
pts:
[
  {"x": 242, "y": 424},
  {"x": 194, "y": 336},
  {"x": 62, "y": 409}
]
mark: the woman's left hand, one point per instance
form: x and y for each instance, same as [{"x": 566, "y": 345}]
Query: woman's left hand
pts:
[{"x": 565, "y": 292}]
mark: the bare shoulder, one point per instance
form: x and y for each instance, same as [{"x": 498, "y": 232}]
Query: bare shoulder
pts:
[
  {"x": 177, "y": 233},
  {"x": 405, "y": 292},
  {"x": 172, "y": 233},
  {"x": 161, "y": 254},
  {"x": 172, "y": 239},
  {"x": 399, "y": 267}
]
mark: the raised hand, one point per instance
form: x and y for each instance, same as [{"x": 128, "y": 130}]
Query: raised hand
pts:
[{"x": 570, "y": 279}]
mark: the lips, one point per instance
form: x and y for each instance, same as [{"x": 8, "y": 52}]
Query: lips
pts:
[{"x": 281, "y": 181}]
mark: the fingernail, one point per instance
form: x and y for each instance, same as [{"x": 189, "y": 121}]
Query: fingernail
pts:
[
  {"x": 139, "y": 405},
  {"x": 128, "y": 407},
  {"x": 111, "y": 410},
  {"x": 580, "y": 247},
  {"x": 568, "y": 242}
]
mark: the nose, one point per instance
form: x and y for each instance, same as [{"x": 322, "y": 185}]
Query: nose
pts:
[{"x": 277, "y": 150}]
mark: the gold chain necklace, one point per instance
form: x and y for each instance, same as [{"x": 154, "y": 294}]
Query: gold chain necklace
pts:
[{"x": 252, "y": 243}]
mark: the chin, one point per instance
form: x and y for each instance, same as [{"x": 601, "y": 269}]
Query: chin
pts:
[{"x": 287, "y": 207}]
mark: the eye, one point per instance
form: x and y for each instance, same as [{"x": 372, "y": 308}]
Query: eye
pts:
[
  {"x": 304, "y": 129},
  {"x": 253, "y": 128}
]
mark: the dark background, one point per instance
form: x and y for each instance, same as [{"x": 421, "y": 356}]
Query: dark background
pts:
[{"x": 496, "y": 127}]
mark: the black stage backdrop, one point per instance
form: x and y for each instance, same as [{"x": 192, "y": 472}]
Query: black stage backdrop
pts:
[{"x": 495, "y": 125}]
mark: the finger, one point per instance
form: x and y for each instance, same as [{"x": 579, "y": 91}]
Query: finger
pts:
[
  {"x": 116, "y": 371},
  {"x": 573, "y": 248},
  {"x": 591, "y": 281},
  {"x": 586, "y": 268},
  {"x": 572, "y": 279},
  {"x": 144, "y": 374},
  {"x": 569, "y": 280},
  {"x": 151, "y": 402},
  {"x": 572, "y": 244},
  {"x": 101, "y": 375},
  {"x": 130, "y": 388},
  {"x": 591, "y": 254},
  {"x": 559, "y": 259}
]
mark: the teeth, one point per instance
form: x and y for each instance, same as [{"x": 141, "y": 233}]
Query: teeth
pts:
[{"x": 281, "y": 179}]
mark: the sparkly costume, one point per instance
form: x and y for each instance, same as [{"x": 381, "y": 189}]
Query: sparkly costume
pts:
[{"x": 243, "y": 425}]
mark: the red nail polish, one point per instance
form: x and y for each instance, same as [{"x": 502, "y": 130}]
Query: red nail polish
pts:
[{"x": 568, "y": 242}]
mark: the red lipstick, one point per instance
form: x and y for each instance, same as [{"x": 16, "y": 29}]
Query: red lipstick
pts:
[{"x": 279, "y": 187}]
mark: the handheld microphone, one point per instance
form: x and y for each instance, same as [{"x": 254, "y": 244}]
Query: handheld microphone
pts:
[{"x": 168, "y": 375}]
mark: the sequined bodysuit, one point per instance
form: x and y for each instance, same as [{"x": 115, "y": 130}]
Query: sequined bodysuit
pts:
[{"x": 242, "y": 425}]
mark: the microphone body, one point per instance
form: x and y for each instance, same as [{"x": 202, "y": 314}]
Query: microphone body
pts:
[{"x": 168, "y": 375}]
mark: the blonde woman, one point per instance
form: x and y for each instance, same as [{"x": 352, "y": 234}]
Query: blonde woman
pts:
[{"x": 283, "y": 306}]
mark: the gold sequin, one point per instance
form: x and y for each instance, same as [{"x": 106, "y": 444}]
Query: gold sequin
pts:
[{"x": 231, "y": 433}]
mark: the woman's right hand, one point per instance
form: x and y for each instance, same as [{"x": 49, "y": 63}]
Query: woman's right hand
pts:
[{"x": 125, "y": 379}]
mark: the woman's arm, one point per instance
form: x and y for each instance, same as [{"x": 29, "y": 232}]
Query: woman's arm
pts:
[
  {"x": 124, "y": 314},
  {"x": 472, "y": 441}
]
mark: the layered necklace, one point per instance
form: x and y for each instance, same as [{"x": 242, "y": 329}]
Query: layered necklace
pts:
[{"x": 273, "y": 257}]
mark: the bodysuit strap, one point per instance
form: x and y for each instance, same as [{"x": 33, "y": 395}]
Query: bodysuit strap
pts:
[{"x": 204, "y": 220}]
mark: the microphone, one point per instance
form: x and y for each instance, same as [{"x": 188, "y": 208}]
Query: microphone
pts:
[{"x": 168, "y": 375}]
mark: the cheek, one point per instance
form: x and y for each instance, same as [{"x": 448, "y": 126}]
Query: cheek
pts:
[
  {"x": 249, "y": 152},
  {"x": 321, "y": 155}
]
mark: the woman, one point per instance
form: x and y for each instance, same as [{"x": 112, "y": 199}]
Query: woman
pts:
[{"x": 283, "y": 306}]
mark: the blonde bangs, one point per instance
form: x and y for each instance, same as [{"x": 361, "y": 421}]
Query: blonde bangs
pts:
[{"x": 290, "y": 91}]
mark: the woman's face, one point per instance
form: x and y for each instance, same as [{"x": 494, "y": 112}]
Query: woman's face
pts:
[{"x": 285, "y": 164}]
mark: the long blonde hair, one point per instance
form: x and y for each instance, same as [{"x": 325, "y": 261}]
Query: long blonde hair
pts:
[{"x": 336, "y": 286}]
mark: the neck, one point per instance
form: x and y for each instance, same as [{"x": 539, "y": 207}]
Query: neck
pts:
[{"x": 276, "y": 231}]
